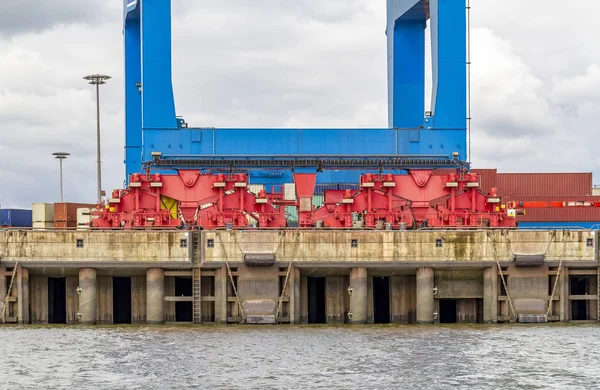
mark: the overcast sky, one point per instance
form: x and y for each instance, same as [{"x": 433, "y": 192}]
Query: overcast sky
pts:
[{"x": 286, "y": 63}]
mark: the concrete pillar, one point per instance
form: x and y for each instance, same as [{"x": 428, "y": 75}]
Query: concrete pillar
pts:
[
  {"x": 294, "y": 290},
  {"x": 155, "y": 296},
  {"x": 303, "y": 299},
  {"x": 425, "y": 302},
  {"x": 23, "y": 298},
  {"x": 358, "y": 299},
  {"x": 221, "y": 281},
  {"x": 563, "y": 286},
  {"x": 87, "y": 298},
  {"x": 490, "y": 294},
  {"x": 3, "y": 288}
]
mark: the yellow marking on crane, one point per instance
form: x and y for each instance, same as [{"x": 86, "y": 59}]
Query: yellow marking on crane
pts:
[{"x": 170, "y": 204}]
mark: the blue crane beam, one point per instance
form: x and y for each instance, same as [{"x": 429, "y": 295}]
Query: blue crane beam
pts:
[
  {"x": 316, "y": 162},
  {"x": 152, "y": 124}
]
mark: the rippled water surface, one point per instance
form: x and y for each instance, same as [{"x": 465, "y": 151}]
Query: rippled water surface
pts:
[{"x": 411, "y": 357}]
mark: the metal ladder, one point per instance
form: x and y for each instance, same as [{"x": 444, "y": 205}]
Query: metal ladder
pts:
[
  {"x": 196, "y": 277},
  {"x": 8, "y": 299},
  {"x": 197, "y": 302}
]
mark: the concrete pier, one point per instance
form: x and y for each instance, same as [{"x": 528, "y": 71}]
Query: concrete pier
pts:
[
  {"x": 490, "y": 294},
  {"x": 425, "y": 301},
  {"x": 87, "y": 298},
  {"x": 155, "y": 296},
  {"x": 358, "y": 297},
  {"x": 395, "y": 276}
]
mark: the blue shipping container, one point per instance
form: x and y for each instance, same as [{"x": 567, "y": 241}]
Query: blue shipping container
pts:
[
  {"x": 559, "y": 225},
  {"x": 15, "y": 218}
]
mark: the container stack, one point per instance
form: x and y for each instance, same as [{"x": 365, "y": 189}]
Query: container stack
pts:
[
  {"x": 544, "y": 187},
  {"x": 551, "y": 187},
  {"x": 65, "y": 214}
]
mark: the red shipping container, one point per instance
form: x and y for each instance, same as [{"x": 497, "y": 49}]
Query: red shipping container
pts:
[
  {"x": 65, "y": 224},
  {"x": 544, "y": 184},
  {"x": 569, "y": 214},
  {"x": 487, "y": 177}
]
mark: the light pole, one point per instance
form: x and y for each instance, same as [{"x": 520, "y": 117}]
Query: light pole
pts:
[
  {"x": 61, "y": 156},
  {"x": 97, "y": 79}
]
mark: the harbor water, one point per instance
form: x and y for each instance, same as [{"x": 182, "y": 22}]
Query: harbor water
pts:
[{"x": 271, "y": 357}]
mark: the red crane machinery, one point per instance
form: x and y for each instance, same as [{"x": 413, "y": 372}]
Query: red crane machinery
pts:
[
  {"x": 192, "y": 199},
  {"x": 189, "y": 199},
  {"x": 414, "y": 200}
]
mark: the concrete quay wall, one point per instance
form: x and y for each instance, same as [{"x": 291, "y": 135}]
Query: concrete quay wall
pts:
[
  {"x": 337, "y": 247},
  {"x": 297, "y": 276},
  {"x": 95, "y": 248},
  {"x": 300, "y": 246}
]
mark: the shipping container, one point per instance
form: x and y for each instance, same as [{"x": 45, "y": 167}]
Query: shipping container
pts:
[
  {"x": 559, "y": 225},
  {"x": 255, "y": 188},
  {"x": 84, "y": 217},
  {"x": 291, "y": 214},
  {"x": 65, "y": 224},
  {"x": 596, "y": 191},
  {"x": 544, "y": 184},
  {"x": 43, "y": 212},
  {"x": 318, "y": 200},
  {"x": 15, "y": 218},
  {"x": 289, "y": 191},
  {"x": 67, "y": 212},
  {"x": 568, "y": 214},
  {"x": 43, "y": 225}
]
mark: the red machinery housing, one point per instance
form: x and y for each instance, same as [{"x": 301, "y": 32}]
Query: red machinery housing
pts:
[
  {"x": 191, "y": 199},
  {"x": 415, "y": 200}
]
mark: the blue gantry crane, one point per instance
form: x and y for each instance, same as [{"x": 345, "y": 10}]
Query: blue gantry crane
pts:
[{"x": 152, "y": 125}]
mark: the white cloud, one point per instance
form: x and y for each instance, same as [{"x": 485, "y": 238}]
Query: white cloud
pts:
[{"x": 289, "y": 63}]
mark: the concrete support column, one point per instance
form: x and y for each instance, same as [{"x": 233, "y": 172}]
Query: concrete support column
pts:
[
  {"x": 221, "y": 281},
  {"x": 425, "y": 302},
  {"x": 303, "y": 299},
  {"x": 358, "y": 298},
  {"x": 490, "y": 294},
  {"x": 23, "y": 295},
  {"x": 87, "y": 299},
  {"x": 3, "y": 288},
  {"x": 155, "y": 296},
  {"x": 295, "y": 296},
  {"x": 563, "y": 287}
]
